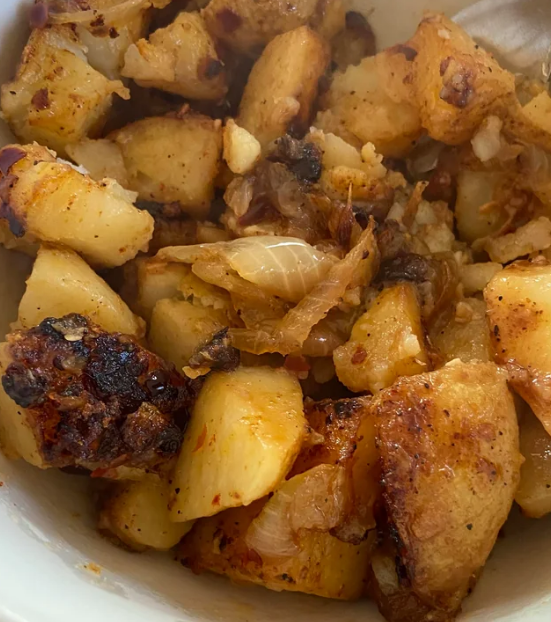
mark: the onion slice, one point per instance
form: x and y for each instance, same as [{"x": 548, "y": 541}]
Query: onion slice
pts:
[
  {"x": 314, "y": 500},
  {"x": 122, "y": 11}
]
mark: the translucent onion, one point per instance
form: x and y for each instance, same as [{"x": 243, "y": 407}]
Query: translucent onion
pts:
[
  {"x": 314, "y": 500},
  {"x": 281, "y": 266},
  {"x": 293, "y": 330}
]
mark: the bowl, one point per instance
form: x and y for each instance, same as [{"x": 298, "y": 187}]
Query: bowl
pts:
[{"x": 54, "y": 567}]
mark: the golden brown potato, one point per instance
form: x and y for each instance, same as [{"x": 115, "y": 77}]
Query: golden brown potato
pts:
[
  {"x": 160, "y": 170},
  {"x": 56, "y": 97},
  {"x": 532, "y": 237},
  {"x": 62, "y": 283},
  {"x": 246, "y": 431},
  {"x": 283, "y": 85},
  {"x": 456, "y": 83},
  {"x": 248, "y": 25},
  {"x": 371, "y": 102},
  {"x": 180, "y": 58},
  {"x": 450, "y": 461},
  {"x": 52, "y": 202},
  {"x": 136, "y": 514},
  {"x": 178, "y": 328},
  {"x": 519, "y": 310},
  {"x": 305, "y": 560},
  {"x": 534, "y": 493},
  {"x": 464, "y": 333},
  {"x": 388, "y": 341}
]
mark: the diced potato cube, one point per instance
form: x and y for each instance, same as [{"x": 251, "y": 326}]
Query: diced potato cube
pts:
[
  {"x": 386, "y": 342},
  {"x": 283, "y": 85},
  {"x": 62, "y": 283},
  {"x": 241, "y": 149},
  {"x": 534, "y": 493},
  {"x": 17, "y": 439},
  {"x": 180, "y": 58},
  {"x": 160, "y": 170},
  {"x": 450, "y": 463},
  {"x": 246, "y": 431},
  {"x": 56, "y": 97},
  {"x": 371, "y": 102},
  {"x": 475, "y": 276},
  {"x": 52, "y": 202},
  {"x": 519, "y": 310},
  {"x": 532, "y": 237},
  {"x": 178, "y": 328},
  {"x": 136, "y": 513},
  {"x": 466, "y": 334},
  {"x": 101, "y": 158},
  {"x": 457, "y": 84}
]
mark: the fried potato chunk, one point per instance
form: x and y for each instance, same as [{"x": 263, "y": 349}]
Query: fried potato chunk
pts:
[
  {"x": 91, "y": 398},
  {"x": 56, "y": 97},
  {"x": 387, "y": 341},
  {"x": 283, "y": 543},
  {"x": 136, "y": 514},
  {"x": 248, "y": 25},
  {"x": 534, "y": 492},
  {"x": 283, "y": 84},
  {"x": 49, "y": 201},
  {"x": 372, "y": 102},
  {"x": 519, "y": 310},
  {"x": 62, "y": 282},
  {"x": 246, "y": 431},
  {"x": 457, "y": 84},
  {"x": 450, "y": 460},
  {"x": 180, "y": 58}
]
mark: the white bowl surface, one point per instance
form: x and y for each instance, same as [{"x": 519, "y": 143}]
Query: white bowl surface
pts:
[{"x": 55, "y": 568}]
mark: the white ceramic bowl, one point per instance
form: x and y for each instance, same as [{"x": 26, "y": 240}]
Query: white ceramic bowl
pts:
[{"x": 55, "y": 568}]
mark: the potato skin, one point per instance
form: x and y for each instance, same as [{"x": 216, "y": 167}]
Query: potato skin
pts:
[
  {"x": 456, "y": 83},
  {"x": 61, "y": 283},
  {"x": 450, "y": 460},
  {"x": 283, "y": 85},
  {"x": 248, "y": 25},
  {"x": 180, "y": 58},
  {"x": 50, "y": 201},
  {"x": 519, "y": 308},
  {"x": 56, "y": 98},
  {"x": 161, "y": 171}
]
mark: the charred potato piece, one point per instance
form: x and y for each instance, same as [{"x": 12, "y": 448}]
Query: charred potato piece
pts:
[
  {"x": 94, "y": 399},
  {"x": 50, "y": 201},
  {"x": 372, "y": 102},
  {"x": 159, "y": 170},
  {"x": 180, "y": 58},
  {"x": 387, "y": 341},
  {"x": 450, "y": 460},
  {"x": 246, "y": 431},
  {"x": 306, "y": 560},
  {"x": 136, "y": 514},
  {"x": 519, "y": 308},
  {"x": 457, "y": 84},
  {"x": 283, "y": 85},
  {"x": 56, "y": 97},
  {"x": 62, "y": 283},
  {"x": 248, "y": 25},
  {"x": 534, "y": 493}
]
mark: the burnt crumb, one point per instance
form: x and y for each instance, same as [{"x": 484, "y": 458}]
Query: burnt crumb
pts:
[
  {"x": 218, "y": 353},
  {"x": 8, "y": 157},
  {"x": 15, "y": 223},
  {"x": 96, "y": 399},
  {"x": 210, "y": 68},
  {"x": 409, "y": 52},
  {"x": 99, "y": 22},
  {"x": 302, "y": 158},
  {"x": 287, "y": 578},
  {"x": 41, "y": 99},
  {"x": 344, "y": 409},
  {"x": 229, "y": 20},
  {"x": 457, "y": 89},
  {"x": 38, "y": 15}
]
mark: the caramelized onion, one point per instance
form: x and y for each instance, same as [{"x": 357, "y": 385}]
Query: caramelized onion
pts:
[{"x": 116, "y": 13}]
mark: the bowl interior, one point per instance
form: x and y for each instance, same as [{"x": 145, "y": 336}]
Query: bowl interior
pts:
[{"x": 54, "y": 567}]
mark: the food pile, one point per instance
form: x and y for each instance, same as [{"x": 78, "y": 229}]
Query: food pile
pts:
[{"x": 289, "y": 307}]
